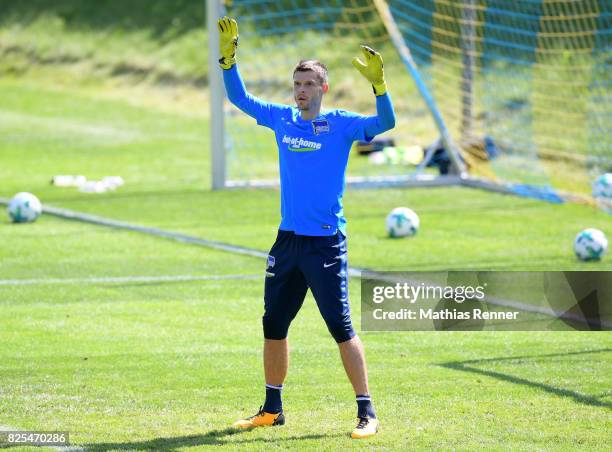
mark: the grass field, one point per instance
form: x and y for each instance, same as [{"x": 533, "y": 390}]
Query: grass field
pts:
[
  {"x": 169, "y": 365},
  {"x": 134, "y": 342},
  {"x": 132, "y": 364}
]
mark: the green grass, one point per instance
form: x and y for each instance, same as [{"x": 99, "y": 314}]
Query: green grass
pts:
[
  {"x": 164, "y": 44},
  {"x": 111, "y": 40},
  {"x": 78, "y": 134},
  {"x": 163, "y": 158},
  {"x": 169, "y": 365}
]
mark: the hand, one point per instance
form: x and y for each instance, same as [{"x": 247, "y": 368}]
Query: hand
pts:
[
  {"x": 372, "y": 69},
  {"x": 228, "y": 41}
]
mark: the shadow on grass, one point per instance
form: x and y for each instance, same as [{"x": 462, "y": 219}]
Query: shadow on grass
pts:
[
  {"x": 471, "y": 366},
  {"x": 213, "y": 437}
]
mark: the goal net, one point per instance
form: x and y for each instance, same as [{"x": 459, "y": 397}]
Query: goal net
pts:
[{"x": 523, "y": 86}]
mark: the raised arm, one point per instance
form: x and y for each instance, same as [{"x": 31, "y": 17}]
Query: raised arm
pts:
[
  {"x": 234, "y": 86},
  {"x": 384, "y": 119},
  {"x": 372, "y": 69}
]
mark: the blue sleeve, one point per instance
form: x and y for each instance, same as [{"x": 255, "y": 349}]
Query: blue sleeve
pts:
[
  {"x": 365, "y": 128},
  {"x": 265, "y": 113}
]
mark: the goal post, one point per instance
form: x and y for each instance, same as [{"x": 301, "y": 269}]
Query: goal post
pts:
[
  {"x": 518, "y": 93},
  {"x": 345, "y": 25},
  {"x": 214, "y": 10}
]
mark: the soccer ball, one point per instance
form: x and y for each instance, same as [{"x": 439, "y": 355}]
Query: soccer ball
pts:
[
  {"x": 24, "y": 208},
  {"x": 602, "y": 187},
  {"x": 590, "y": 245},
  {"x": 402, "y": 222},
  {"x": 602, "y": 191}
]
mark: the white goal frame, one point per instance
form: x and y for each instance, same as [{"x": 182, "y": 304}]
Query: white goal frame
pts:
[{"x": 218, "y": 145}]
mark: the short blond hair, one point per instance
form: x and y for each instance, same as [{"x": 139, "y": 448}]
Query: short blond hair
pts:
[{"x": 315, "y": 66}]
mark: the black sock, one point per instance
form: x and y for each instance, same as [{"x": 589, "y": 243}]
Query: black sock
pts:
[
  {"x": 365, "y": 407},
  {"x": 273, "y": 403}
]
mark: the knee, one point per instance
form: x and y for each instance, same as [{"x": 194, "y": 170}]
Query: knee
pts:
[
  {"x": 341, "y": 329},
  {"x": 275, "y": 326}
]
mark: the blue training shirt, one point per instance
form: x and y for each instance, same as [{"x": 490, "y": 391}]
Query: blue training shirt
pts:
[{"x": 312, "y": 155}]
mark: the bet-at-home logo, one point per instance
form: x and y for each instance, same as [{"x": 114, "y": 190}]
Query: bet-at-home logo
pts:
[{"x": 300, "y": 144}]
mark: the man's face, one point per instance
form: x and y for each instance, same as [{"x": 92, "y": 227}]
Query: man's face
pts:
[{"x": 308, "y": 90}]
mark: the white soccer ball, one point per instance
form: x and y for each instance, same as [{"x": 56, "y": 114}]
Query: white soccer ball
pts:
[
  {"x": 24, "y": 208},
  {"x": 590, "y": 245},
  {"x": 402, "y": 222},
  {"x": 602, "y": 191},
  {"x": 602, "y": 187}
]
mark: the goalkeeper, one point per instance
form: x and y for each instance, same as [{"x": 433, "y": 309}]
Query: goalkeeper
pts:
[{"x": 310, "y": 248}]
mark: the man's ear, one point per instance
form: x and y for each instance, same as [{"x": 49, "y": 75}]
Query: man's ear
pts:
[{"x": 325, "y": 88}]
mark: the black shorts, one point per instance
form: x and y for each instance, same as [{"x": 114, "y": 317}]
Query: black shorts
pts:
[{"x": 298, "y": 262}]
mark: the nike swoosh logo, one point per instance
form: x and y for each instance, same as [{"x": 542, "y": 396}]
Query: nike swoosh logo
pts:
[{"x": 325, "y": 264}]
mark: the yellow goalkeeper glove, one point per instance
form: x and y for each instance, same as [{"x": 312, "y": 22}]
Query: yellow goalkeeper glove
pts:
[
  {"x": 372, "y": 69},
  {"x": 228, "y": 41}
]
